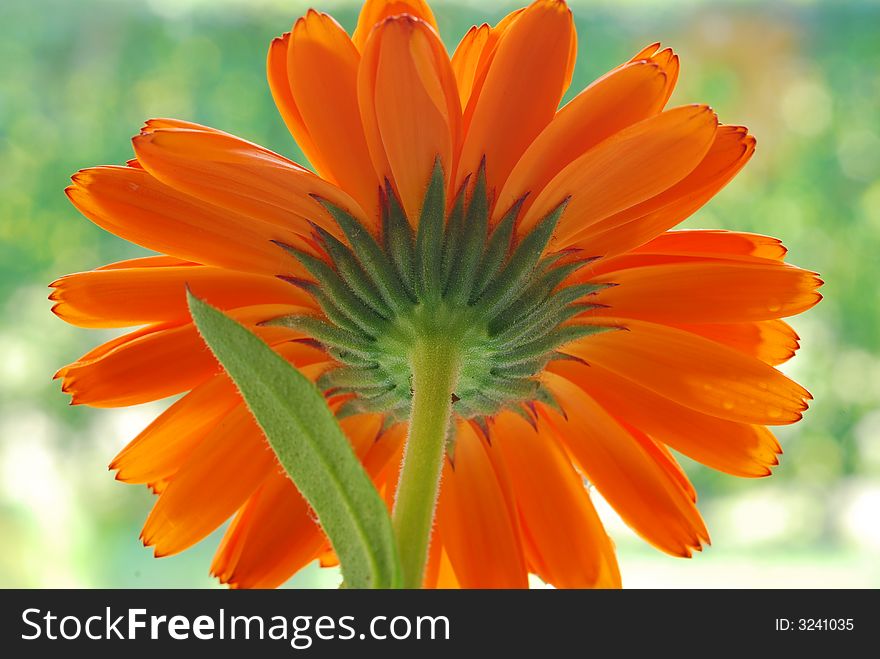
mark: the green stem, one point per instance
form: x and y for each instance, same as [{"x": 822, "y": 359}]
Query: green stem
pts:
[{"x": 435, "y": 367}]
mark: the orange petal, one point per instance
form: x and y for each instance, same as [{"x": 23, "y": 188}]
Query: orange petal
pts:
[
  {"x": 273, "y": 536},
  {"x": 626, "y": 471},
  {"x": 572, "y": 60},
  {"x": 328, "y": 557},
  {"x": 159, "y": 123},
  {"x": 230, "y": 172},
  {"x": 322, "y": 69},
  {"x": 733, "y": 250},
  {"x": 730, "y": 151},
  {"x": 159, "y": 450},
  {"x": 623, "y": 170},
  {"x": 135, "y": 206},
  {"x": 564, "y": 540},
  {"x": 362, "y": 431},
  {"x": 156, "y": 453},
  {"x": 519, "y": 92},
  {"x": 695, "y": 372},
  {"x": 151, "y": 367},
  {"x": 715, "y": 244},
  {"x": 477, "y": 526},
  {"x": 376, "y": 11},
  {"x": 279, "y": 85},
  {"x": 771, "y": 341},
  {"x": 646, "y": 52},
  {"x": 157, "y": 487},
  {"x": 155, "y": 364},
  {"x": 407, "y": 132},
  {"x": 99, "y": 351},
  {"x": 219, "y": 476},
  {"x": 446, "y": 577},
  {"x": 383, "y": 458},
  {"x": 466, "y": 60},
  {"x": 709, "y": 292},
  {"x": 667, "y": 60},
  {"x": 473, "y": 57},
  {"x": 735, "y": 448},
  {"x": 121, "y": 297},
  {"x": 663, "y": 457},
  {"x": 619, "y": 99},
  {"x": 439, "y": 572},
  {"x": 161, "y": 261}
]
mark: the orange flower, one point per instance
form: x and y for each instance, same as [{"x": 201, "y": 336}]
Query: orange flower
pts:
[{"x": 453, "y": 195}]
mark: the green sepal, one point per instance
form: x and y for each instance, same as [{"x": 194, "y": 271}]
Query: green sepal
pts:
[
  {"x": 334, "y": 314},
  {"x": 552, "y": 312},
  {"x": 389, "y": 401},
  {"x": 543, "y": 395},
  {"x": 371, "y": 257},
  {"x": 550, "y": 260},
  {"x": 470, "y": 247},
  {"x": 510, "y": 281},
  {"x": 337, "y": 290},
  {"x": 506, "y": 305},
  {"x": 521, "y": 369},
  {"x": 478, "y": 404},
  {"x": 354, "y": 378},
  {"x": 507, "y": 389},
  {"x": 363, "y": 393},
  {"x": 352, "y": 273},
  {"x": 557, "y": 356},
  {"x": 397, "y": 236},
  {"x": 483, "y": 425},
  {"x": 532, "y": 297},
  {"x": 462, "y": 409},
  {"x": 558, "y": 337},
  {"x": 326, "y": 333},
  {"x": 355, "y": 360},
  {"x": 455, "y": 235},
  {"x": 429, "y": 237},
  {"x": 518, "y": 409},
  {"x": 496, "y": 250}
]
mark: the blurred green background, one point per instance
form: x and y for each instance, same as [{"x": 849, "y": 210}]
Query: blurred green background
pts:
[{"x": 78, "y": 78}]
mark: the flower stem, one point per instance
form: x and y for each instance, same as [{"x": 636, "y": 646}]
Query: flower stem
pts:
[{"x": 435, "y": 366}]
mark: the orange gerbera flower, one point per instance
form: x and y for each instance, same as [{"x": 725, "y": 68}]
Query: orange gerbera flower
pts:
[{"x": 450, "y": 199}]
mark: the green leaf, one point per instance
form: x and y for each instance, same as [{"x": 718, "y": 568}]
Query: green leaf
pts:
[{"x": 311, "y": 447}]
